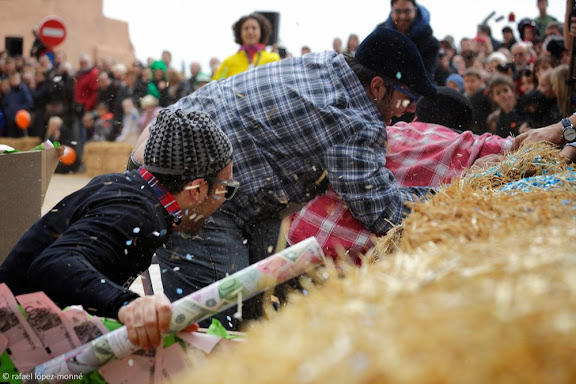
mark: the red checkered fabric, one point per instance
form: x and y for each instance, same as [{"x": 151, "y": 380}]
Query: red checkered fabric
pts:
[
  {"x": 418, "y": 154},
  {"x": 328, "y": 219},
  {"x": 422, "y": 154}
]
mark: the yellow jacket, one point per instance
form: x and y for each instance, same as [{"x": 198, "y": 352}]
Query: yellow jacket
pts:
[{"x": 238, "y": 63}]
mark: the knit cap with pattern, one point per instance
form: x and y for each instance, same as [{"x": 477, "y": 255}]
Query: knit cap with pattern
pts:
[{"x": 187, "y": 145}]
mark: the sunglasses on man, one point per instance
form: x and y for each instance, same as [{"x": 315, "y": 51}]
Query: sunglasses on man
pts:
[
  {"x": 412, "y": 97},
  {"x": 231, "y": 185}
]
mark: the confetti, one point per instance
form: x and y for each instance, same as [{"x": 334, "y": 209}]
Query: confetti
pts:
[{"x": 136, "y": 230}]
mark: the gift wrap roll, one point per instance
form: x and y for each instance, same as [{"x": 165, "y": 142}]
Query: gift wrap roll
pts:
[{"x": 199, "y": 305}]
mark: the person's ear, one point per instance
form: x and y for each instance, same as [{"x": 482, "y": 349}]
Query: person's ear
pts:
[
  {"x": 196, "y": 190},
  {"x": 378, "y": 88}
]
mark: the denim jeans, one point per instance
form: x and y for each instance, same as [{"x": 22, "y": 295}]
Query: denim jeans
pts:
[{"x": 188, "y": 263}]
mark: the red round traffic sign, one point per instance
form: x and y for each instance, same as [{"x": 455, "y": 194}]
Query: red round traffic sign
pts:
[{"x": 52, "y": 31}]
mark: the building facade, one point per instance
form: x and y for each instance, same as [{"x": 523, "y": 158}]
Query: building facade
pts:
[{"x": 87, "y": 29}]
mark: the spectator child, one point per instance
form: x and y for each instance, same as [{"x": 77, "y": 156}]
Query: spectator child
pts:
[
  {"x": 506, "y": 120},
  {"x": 130, "y": 127},
  {"x": 475, "y": 91},
  {"x": 456, "y": 82},
  {"x": 150, "y": 108}
]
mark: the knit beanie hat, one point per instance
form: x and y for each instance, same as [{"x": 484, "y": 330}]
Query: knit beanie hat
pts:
[
  {"x": 456, "y": 79},
  {"x": 187, "y": 145}
]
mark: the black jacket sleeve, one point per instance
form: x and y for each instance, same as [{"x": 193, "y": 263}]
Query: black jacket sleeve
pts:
[{"x": 94, "y": 256}]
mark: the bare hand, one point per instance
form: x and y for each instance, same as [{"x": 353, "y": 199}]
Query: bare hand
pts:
[
  {"x": 569, "y": 152},
  {"x": 146, "y": 319},
  {"x": 488, "y": 160},
  {"x": 551, "y": 134}
]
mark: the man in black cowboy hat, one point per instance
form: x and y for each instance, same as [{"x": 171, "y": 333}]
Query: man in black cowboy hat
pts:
[{"x": 296, "y": 125}]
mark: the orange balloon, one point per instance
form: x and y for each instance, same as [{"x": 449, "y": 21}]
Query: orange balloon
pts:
[
  {"x": 69, "y": 156},
  {"x": 23, "y": 119}
]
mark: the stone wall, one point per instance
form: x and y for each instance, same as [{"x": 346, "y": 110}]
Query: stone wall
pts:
[{"x": 88, "y": 31}]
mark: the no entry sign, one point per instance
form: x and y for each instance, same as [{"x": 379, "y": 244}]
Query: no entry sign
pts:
[{"x": 52, "y": 31}]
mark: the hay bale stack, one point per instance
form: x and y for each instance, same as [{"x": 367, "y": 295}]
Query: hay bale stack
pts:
[
  {"x": 473, "y": 208},
  {"x": 106, "y": 157},
  {"x": 21, "y": 143},
  {"x": 469, "y": 296}
]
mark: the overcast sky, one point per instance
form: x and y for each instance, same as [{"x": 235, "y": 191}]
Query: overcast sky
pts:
[{"x": 196, "y": 31}]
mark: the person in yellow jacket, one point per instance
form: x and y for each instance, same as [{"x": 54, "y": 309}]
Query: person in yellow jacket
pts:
[{"x": 251, "y": 32}]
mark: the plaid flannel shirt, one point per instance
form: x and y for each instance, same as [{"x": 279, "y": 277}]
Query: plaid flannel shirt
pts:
[
  {"x": 292, "y": 120},
  {"x": 418, "y": 154}
]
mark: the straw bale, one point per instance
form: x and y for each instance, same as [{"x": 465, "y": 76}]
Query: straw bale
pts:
[
  {"x": 106, "y": 157},
  {"x": 21, "y": 143},
  {"x": 473, "y": 207},
  {"x": 470, "y": 295}
]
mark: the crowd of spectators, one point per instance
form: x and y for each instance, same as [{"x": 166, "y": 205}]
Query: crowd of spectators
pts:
[
  {"x": 98, "y": 100},
  {"x": 515, "y": 82}
]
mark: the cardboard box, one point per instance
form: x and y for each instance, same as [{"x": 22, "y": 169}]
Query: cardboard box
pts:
[{"x": 24, "y": 179}]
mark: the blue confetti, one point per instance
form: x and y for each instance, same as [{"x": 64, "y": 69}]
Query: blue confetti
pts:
[
  {"x": 136, "y": 230},
  {"x": 543, "y": 182},
  {"x": 179, "y": 291},
  {"x": 103, "y": 281},
  {"x": 188, "y": 257},
  {"x": 129, "y": 242}
]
